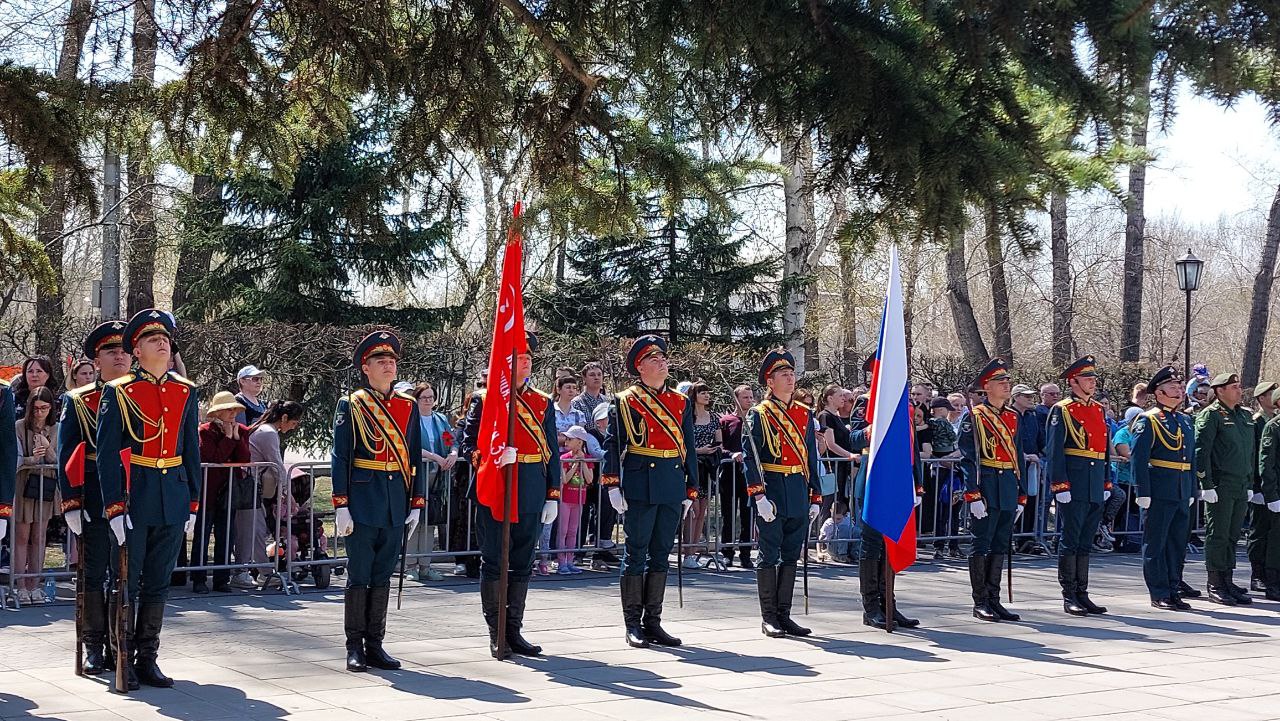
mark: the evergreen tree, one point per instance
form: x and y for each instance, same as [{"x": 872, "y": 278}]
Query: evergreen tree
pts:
[{"x": 298, "y": 251}]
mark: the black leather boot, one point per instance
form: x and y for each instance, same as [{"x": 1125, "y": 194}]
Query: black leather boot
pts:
[
  {"x": 767, "y": 590},
  {"x": 94, "y": 634},
  {"x": 786, "y": 593},
  {"x": 517, "y": 592},
  {"x": 978, "y": 584},
  {"x": 995, "y": 566},
  {"x": 146, "y": 641},
  {"x": 1241, "y": 595},
  {"x": 355, "y": 619},
  {"x": 1272, "y": 578},
  {"x": 633, "y": 610},
  {"x": 872, "y": 602},
  {"x": 1257, "y": 577},
  {"x": 902, "y": 621},
  {"x": 1082, "y": 587},
  {"x": 1067, "y": 580},
  {"x": 1186, "y": 590},
  {"x": 655, "y": 588},
  {"x": 376, "y": 630},
  {"x": 489, "y": 606},
  {"x": 1218, "y": 591}
]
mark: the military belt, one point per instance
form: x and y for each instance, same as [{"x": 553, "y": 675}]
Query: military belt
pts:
[
  {"x": 146, "y": 462},
  {"x": 369, "y": 465},
  {"x": 530, "y": 458},
  {"x": 1002, "y": 465},
  {"x": 1172, "y": 465},
  {"x": 91, "y": 457},
  {"x": 1085, "y": 453},
  {"x": 776, "y": 468},
  {"x": 653, "y": 452}
]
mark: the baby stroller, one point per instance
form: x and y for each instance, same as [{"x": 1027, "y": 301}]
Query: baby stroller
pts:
[{"x": 307, "y": 540}]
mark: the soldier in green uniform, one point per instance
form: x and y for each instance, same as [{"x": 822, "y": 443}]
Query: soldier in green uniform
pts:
[
  {"x": 1164, "y": 475},
  {"x": 1269, "y": 475},
  {"x": 1259, "y": 521},
  {"x": 1225, "y": 468}
]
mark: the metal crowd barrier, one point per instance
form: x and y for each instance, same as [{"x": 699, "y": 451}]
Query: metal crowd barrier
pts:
[{"x": 298, "y": 523}]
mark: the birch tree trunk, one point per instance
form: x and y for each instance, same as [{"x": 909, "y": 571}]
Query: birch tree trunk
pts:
[
  {"x": 50, "y": 224},
  {"x": 797, "y": 260},
  {"x": 1259, "y": 310},
  {"x": 1061, "y": 295}
]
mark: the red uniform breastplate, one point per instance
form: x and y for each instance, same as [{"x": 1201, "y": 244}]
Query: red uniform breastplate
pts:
[
  {"x": 154, "y": 415},
  {"x": 658, "y": 427},
  {"x": 529, "y": 436},
  {"x": 1090, "y": 417}
]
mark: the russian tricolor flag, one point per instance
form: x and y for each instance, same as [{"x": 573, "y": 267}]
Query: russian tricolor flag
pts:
[{"x": 889, "y": 506}]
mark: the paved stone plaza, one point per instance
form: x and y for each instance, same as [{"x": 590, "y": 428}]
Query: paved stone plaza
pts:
[{"x": 269, "y": 656}]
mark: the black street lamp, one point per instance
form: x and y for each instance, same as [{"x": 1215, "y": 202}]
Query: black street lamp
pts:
[{"x": 1189, "y": 269}]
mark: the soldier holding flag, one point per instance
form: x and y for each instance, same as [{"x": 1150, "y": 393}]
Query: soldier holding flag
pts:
[
  {"x": 82, "y": 492},
  {"x": 379, "y": 491},
  {"x": 651, "y": 475}
]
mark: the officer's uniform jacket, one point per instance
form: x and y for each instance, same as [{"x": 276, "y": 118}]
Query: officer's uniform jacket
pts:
[
  {"x": 992, "y": 462},
  {"x": 79, "y": 425},
  {"x": 1163, "y": 460},
  {"x": 377, "y": 457},
  {"x": 781, "y": 448},
  {"x": 650, "y": 450},
  {"x": 1078, "y": 450},
  {"x": 1225, "y": 447},
  {"x": 537, "y": 458},
  {"x": 156, "y": 421}
]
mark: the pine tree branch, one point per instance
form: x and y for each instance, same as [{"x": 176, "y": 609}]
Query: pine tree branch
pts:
[{"x": 561, "y": 54}]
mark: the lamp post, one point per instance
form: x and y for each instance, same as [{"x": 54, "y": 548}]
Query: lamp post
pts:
[{"x": 1189, "y": 269}]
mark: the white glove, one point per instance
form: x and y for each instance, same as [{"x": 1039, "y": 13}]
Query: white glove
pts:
[
  {"x": 1258, "y": 499},
  {"x": 550, "y": 510},
  {"x": 118, "y": 525},
  {"x": 617, "y": 500},
  {"x": 918, "y": 500},
  {"x": 1274, "y": 506},
  {"x": 342, "y": 522},
  {"x": 1064, "y": 497},
  {"x": 4, "y": 527},
  {"x": 508, "y": 457},
  {"x": 411, "y": 523},
  {"x": 189, "y": 529},
  {"x": 74, "y": 520},
  {"x": 765, "y": 509},
  {"x": 1106, "y": 495},
  {"x": 685, "y": 505},
  {"x": 1209, "y": 495},
  {"x": 814, "y": 510},
  {"x": 1018, "y": 513},
  {"x": 978, "y": 510},
  {"x": 1144, "y": 502}
]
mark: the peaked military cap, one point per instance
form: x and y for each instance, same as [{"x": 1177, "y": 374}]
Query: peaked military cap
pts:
[
  {"x": 1082, "y": 368},
  {"x": 1224, "y": 379},
  {"x": 144, "y": 323},
  {"x": 1164, "y": 375},
  {"x": 1264, "y": 388},
  {"x": 643, "y": 347},
  {"x": 106, "y": 335},
  {"x": 775, "y": 360},
  {"x": 531, "y": 341},
  {"x": 377, "y": 343},
  {"x": 995, "y": 370}
]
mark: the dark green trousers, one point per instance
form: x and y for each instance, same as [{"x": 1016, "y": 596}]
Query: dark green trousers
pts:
[{"x": 1223, "y": 523}]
